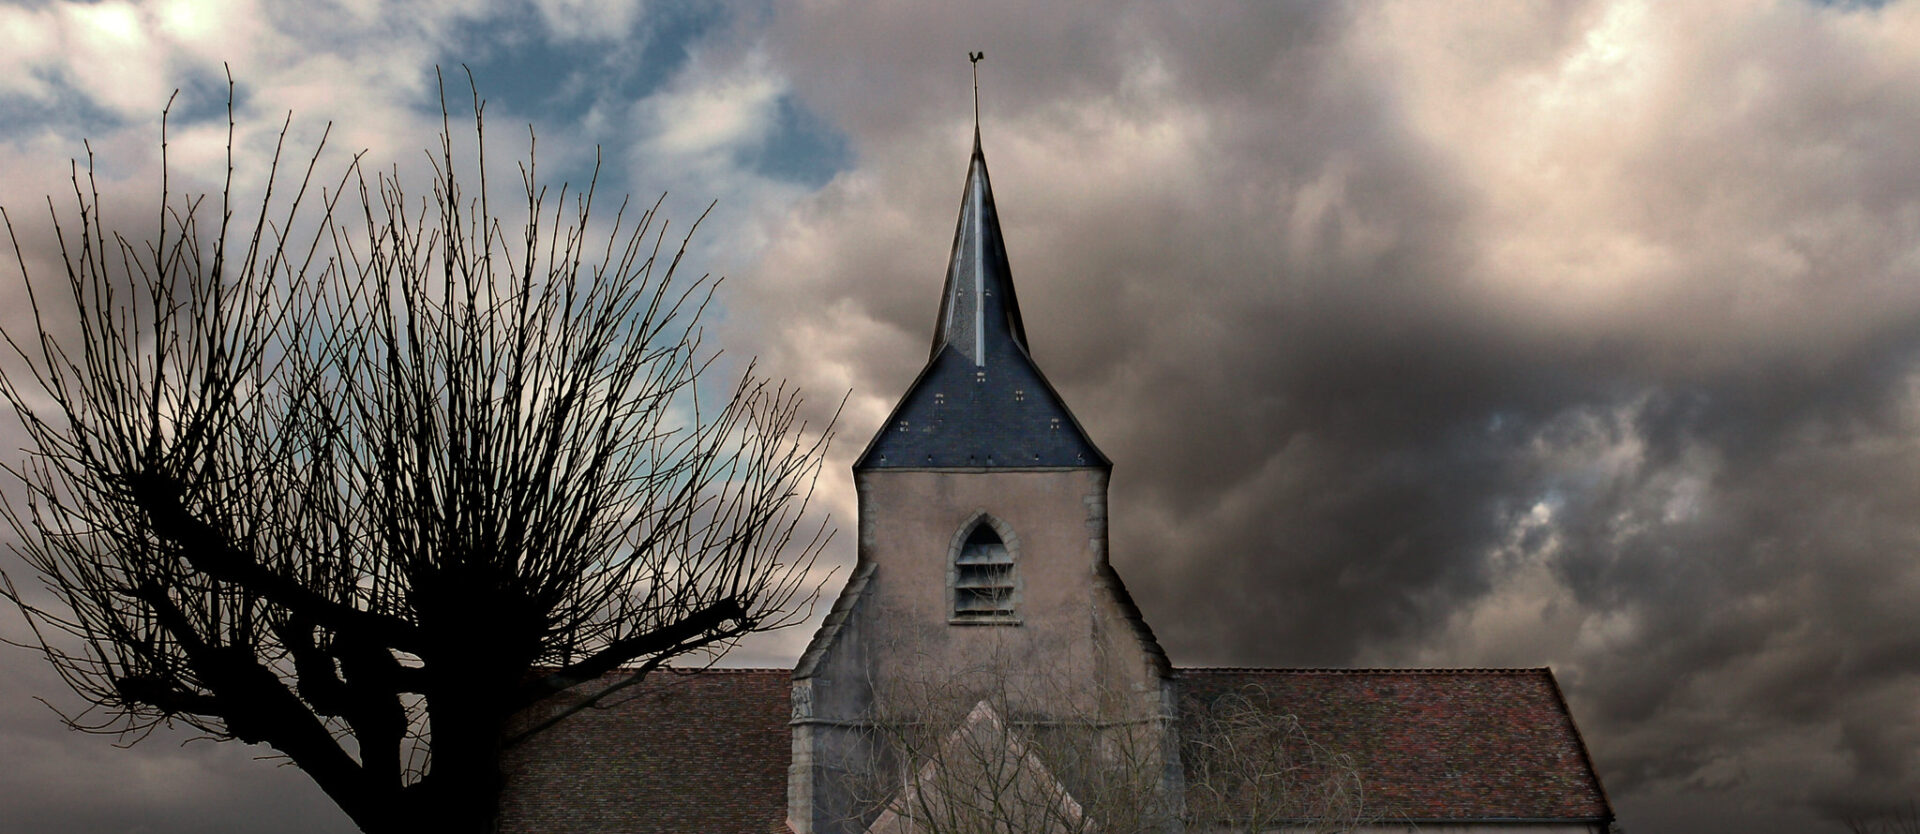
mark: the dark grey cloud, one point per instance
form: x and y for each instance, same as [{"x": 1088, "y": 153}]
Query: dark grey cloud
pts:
[
  {"x": 1581, "y": 335},
  {"x": 59, "y": 781}
]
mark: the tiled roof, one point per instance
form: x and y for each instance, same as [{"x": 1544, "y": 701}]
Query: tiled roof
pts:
[
  {"x": 701, "y": 751},
  {"x": 1436, "y": 744},
  {"x": 708, "y": 751},
  {"x": 959, "y": 416}
]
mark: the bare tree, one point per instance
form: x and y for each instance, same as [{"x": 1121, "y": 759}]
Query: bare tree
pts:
[
  {"x": 1251, "y": 768},
  {"x": 364, "y": 477},
  {"x": 1897, "y": 821}
]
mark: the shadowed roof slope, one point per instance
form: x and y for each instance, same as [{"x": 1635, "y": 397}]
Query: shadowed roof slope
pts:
[
  {"x": 682, "y": 751},
  {"x": 707, "y": 751},
  {"x": 1436, "y": 745},
  {"x": 980, "y": 401}
]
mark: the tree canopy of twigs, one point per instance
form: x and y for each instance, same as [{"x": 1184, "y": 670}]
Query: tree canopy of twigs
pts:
[
  {"x": 999, "y": 747},
  {"x": 365, "y": 475},
  {"x": 1896, "y": 821},
  {"x": 1251, "y": 768}
]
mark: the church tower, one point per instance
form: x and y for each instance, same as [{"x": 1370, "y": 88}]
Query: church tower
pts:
[{"x": 982, "y": 553}]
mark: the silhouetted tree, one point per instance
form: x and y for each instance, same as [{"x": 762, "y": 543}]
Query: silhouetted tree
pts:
[{"x": 363, "y": 492}]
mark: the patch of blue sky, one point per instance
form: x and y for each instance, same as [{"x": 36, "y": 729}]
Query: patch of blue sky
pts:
[
  {"x": 66, "y": 112},
  {"x": 574, "y": 88},
  {"x": 68, "y": 109},
  {"x": 203, "y": 96},
  {"x": 560, "y": 80},
  {"x": 1853, "y": 5},
  {"x": 804, "y": 148},
  {"x": 560, "y": 77},
  {"x": 585, "y": 88}
]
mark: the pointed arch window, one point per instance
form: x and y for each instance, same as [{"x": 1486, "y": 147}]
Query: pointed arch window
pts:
[{"x": 986, "y": 588}]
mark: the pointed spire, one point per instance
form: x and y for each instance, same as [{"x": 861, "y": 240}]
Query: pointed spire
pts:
[
  {"x": 979, "y": 313},
  {"x": 981, "y": 402}
]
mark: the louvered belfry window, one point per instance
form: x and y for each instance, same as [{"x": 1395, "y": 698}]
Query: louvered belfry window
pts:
[{"x": 983, "y": 580}]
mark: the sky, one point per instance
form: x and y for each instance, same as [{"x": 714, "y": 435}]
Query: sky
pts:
[{"x": 1582, "y": 334}]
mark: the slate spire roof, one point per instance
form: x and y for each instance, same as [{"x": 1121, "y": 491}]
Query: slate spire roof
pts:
[
  {"x": 978, "y": 304},
  {"x": 980, "y": 402}
]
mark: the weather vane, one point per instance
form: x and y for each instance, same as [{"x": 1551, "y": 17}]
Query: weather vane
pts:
[{"x": 974, "y": 59}]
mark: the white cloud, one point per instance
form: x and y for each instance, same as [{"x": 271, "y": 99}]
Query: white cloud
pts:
[
  {"x": 29, "y": 38},
  {"x": 1621, "y": 153},
  {"x": 591, "y": 19},
  {"x": 711, "y": 113},
  {"x": 1290, "y": 263}
]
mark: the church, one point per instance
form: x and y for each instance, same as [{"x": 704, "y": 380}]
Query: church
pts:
[{"x": 985, "y": 662}]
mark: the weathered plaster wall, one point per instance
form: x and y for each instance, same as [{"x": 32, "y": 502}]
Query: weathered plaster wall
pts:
[{"x": 1076, "y": 652}]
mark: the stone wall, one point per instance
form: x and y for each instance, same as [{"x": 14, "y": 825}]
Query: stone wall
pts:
[{"x": 1077, "y": 650}]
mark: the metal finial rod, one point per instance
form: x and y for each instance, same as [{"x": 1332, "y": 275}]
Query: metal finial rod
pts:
[{"x": 974, "y": 58}]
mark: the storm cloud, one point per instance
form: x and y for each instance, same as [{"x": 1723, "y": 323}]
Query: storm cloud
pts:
[
  {"x": 1568, "y": 334},
  {"x": 1582, "y": 334}
]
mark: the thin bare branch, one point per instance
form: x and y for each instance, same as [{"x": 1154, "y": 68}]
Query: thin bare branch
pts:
[{"x": 366, "y": 482}]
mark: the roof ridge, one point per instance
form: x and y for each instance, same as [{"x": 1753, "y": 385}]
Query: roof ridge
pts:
[
  {"x": 1580, "y": 741},
  {"x": 682, "y": 670},
  {"x": 1203, "y": 670},
  {"x": 1368, "y": 670}
]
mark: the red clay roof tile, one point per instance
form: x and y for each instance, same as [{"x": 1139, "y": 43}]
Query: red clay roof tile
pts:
[
  {"x": 1437, "y": 744},
  {"x": 707, "y": 751}
]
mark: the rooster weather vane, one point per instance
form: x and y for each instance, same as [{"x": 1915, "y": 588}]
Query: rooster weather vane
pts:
[{"x": 974, "y": 59}]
